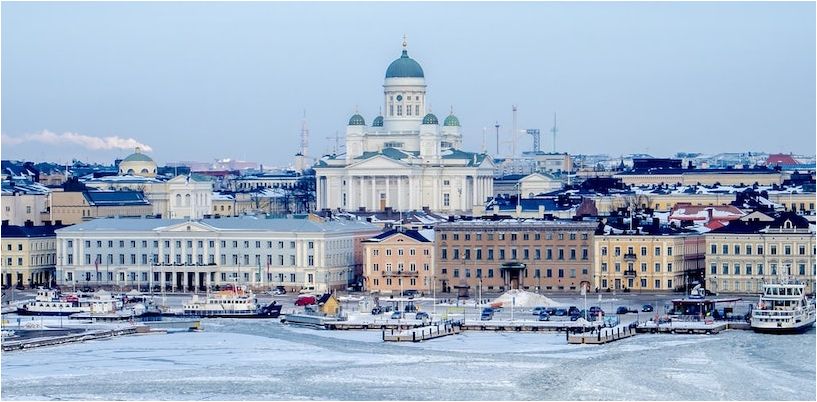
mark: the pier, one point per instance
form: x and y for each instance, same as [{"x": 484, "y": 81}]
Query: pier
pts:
[
  {"x": 602, "y": 335},
  {"x": 422, "y": 333},
  {"x": 23, "y": 344}
]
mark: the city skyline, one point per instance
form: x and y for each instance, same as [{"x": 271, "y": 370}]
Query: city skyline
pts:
[{"x": 235, "y": 81}]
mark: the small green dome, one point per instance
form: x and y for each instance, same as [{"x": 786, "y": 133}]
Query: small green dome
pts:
[
  {"x": 137, "y": 156},
  {"x": 430, "y": 119},
  {"x": 405, "y": 66},
  {"x": 378, "y": 121},
  {"x": 357, "y": 120},
  {"x": 451, "y": 120}
]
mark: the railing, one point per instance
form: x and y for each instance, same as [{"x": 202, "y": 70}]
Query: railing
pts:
[
  {"x": 630, "y": 272},
  {"x": 401, "y": 273},
  {"x": 629, "y": 257}
]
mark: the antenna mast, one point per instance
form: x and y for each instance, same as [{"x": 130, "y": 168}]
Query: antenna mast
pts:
[
  {"x": 515, "y": 133},
  {"x": 304, "y": 137},
  {"x": 554, "y": 130}
]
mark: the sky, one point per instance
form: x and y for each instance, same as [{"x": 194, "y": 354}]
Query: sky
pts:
[{"x": 200, "y": 81}]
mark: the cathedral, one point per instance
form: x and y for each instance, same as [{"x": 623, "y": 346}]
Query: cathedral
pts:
[{"x": 405, "y": 160}]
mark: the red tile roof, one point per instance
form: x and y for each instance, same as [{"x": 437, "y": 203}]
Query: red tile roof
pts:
[{"x": 780, "y": 159}]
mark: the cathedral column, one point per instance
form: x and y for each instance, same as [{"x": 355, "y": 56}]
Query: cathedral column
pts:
[
  {"x": 388, "y": 195},
  {"x": 348, "y": 193},
  {"x": 374, "y": 189},
  {"x": 399, "y": 193},
  {"x": 474, "y": 184}
]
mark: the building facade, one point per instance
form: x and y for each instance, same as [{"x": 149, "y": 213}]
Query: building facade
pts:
[
  {"x": 29, "y": 255},
  {"x": 182, "y": 197},
  {"x": 743, "y": 255},
  {"x": 647, "y": 262},
  {"x": 399, "y": 260},
  {"x": 498, "y": 255},
  {"x": 405, "y": 160},
  {"x": 180, "y": 254},
  {"x": 71, "y": 207}
]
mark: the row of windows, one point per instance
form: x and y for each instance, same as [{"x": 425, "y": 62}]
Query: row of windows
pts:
[
  {"x": 501, "y": 254},
  {"x": 631, "y": 251},
  {"x": 514, "y": 236},
  {"x": 537, "y": 273},
  {"x": 748, "y": 250},
  {"x": 656, "y": 284},
  {"x": 35, "y": 260},
  {"x": 412, "y": 281},
  {"x": 189, "y": 243},
  {"x": 376, "y": 252},
  {"x": 143, "y": 276},
  {"x": 749, "y": 269},
  {"x": 631, "y": 268},
  {"x": 35, "y": 246},
  {"x": 188, "y": 260},
  {"x": 400, "y": 267}
]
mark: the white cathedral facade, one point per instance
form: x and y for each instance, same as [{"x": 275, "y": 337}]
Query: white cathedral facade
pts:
[{"x": 405, "y": 160}]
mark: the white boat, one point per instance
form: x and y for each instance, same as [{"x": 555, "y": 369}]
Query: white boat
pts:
[
  {"x": 783, "y": 308},
  {"x": 50, "y": 302},
  {"x": 230, "y": 304}
]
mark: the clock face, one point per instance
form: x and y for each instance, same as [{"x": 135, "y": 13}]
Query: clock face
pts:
[{"x": 399, "y": 98}]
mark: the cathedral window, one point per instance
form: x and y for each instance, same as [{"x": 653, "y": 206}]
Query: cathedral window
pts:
[
  {"x": 408, "y": 110},
  {"x": 399, "y": 110},
  {"x": 391, "y": 110},
  {"x": 446, "y": 200},
  {"x": 417, "y": 110}
]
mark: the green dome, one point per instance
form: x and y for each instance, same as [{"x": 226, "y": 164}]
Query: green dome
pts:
[
  {"x": 137, "y": 156},
  {"x": 357, "y": 120},
  {"x": 430, "y": 119},
  {"x": 451, "y": 120},
  {"x": 404, "y": 67},
  {"x": 378, "y": 121}
]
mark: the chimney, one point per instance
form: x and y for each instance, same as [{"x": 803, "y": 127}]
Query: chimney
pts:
[{"x": 709, "y": 214}]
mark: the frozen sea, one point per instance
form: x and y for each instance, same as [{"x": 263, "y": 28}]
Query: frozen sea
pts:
[{"x": 264, "y": 360}]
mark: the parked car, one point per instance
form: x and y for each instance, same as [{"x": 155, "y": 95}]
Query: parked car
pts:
[
  {"x": 377, "y": 310},
  {"x": 595, "y": 310},
  {"x": 622, "y": 310},
  {"x": 560, "y": 312},
  {"x": 410, "y": 292},
  {"x": 305, "y": 300},
  {"x": 537, "y": 310},
  {"x": 572, "y": 310},
  {"x": 410, "y": 308},
  {"x": 422, "y": 315},
  {"x": 544, "y": 316},
  {"x": 551, "y": 310},
  {"x": 487, "y": 314},
  {"x": 86, "y": 289},
  {"x": 647, "y": 308},
  {"x": 396, "y": 315},
  {"x": 574, "y": 317}
]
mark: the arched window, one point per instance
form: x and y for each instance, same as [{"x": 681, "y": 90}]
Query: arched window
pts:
[
  {"x": 144, "y": 171},
  {"x": 178, "y": 200},
  {"x": 187, "y": 200}
]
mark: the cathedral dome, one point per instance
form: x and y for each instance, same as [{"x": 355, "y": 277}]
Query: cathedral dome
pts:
[
  {"x": 405, "y": 66},
  {"x": 451, "y": 120},
  {"x": 430, "y": 119},
  {"x": 357, "y": 120},
  {"x": 138, "y": 164},
  {"x": 378, "y": 121}
]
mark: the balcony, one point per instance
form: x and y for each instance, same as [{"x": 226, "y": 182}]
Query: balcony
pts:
[
  {"x": 629, "y": 257},
  {"x": 630, "y": 273},
  {"x": 401, "y": 273}
]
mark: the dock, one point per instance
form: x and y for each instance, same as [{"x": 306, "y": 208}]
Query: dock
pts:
[
  {"x": 30, "y": 343},
  {"x": 602, "y": 336},
  {"x": 686, "y": 327},
  {"x": 419, "y": 334}
]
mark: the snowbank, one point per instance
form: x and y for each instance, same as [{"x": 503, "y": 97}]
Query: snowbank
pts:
[{"x": 521, "y": 298}]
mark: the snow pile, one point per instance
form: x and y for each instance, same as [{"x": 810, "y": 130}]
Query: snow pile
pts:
[{"x": 521, "y": 298}]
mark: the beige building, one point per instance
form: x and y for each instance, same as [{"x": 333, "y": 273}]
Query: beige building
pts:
[
  {"x": 72, "y": 207},
  {"x": 726, "y": 177},
  {"x": 23, "y": 203},
  {"x": 29, "y": 255},
  {"x": 640, "y": 261},
  {"x": 396, "y": 261},
  {"x": 743, "y": 255},
  {"x": 498, "y": 255}
]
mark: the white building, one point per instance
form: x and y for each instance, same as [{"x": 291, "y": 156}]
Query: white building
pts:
[
  {"x": 184, "y": 196},
  {"x": 405, "y": 160},
  {"x": 180, "y": 254}
]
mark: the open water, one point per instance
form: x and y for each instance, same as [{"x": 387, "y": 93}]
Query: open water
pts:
[{"x": 264, "y": 360}]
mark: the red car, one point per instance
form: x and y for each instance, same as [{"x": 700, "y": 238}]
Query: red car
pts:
[{"x": 306, "y": 300}]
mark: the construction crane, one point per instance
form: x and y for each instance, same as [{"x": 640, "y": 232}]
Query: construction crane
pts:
[{"x": 534, "y": 132}]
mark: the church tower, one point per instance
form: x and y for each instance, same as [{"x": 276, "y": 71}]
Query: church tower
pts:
[{"x": 404, "y": 94}]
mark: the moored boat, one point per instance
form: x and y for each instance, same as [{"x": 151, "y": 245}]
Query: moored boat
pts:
[
  {"x": 783, "y": 308},
  {"x": 230, "y": 304},
  {"x": 49, "y": 302}
]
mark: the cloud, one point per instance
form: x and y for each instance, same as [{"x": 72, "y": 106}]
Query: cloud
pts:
[{"x": 85, "y": 141}]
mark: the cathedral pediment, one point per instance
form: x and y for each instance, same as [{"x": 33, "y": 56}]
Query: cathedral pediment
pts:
[{"x": 379, "y": 162}]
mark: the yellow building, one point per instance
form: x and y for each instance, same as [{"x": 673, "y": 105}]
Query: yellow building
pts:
[
  {"x": 397, "y": 261},
  {"x": 743, "y": 255},
  {"x": 72, "y": 207},
  {"x": 647, "y": 262},
  {"x": 29, "y": 255}
]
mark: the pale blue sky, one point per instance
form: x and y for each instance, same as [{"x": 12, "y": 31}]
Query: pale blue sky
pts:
[{"x": 206, "y": 80}]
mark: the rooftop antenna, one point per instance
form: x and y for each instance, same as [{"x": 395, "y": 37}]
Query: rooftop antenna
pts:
[
  {"x": 304, "y": 136},
  {"x": 484, "y": 133},
  {"x": 496, "y": 125},
  {"x": 554, "y": 130},
  {"x": 534, "y": 132},
  {"x": 515, "y": 133}
]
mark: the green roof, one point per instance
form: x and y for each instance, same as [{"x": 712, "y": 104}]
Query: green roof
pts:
[
  {"x": 405, "y": 66},
  {"x": 357, "y": 120},
  {"x": 430, "y": 119},
  {"x": 378, "y": 121},
  {"x": 137, "y": 157},
  {"x": 451, "y": 120}
]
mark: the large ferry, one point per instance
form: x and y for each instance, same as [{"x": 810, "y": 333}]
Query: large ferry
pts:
[
  {"x": 49, "y": 302},
  {"x": 783, "y": 308},
  {"x": 230, "y": 304}
]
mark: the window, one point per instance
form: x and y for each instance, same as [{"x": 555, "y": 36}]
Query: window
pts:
[
  {"x": 748, "y": 249},
  {"x": 748, "y": 269},
  {"x": 549, "y": 254},
  {"x": 604, "y": 251},
  {"x": 456, "y": 273},
  {"x": 617, "y": 251},
  {"x": 669, "y": 267},
  {"x": 490, "y": 254},
  {"x": 802, "y": 250},
  {"x": 773, "y": 250},
  {"x": 669, "y": 250},
  {"x": 446, "y": 200},
  {"x": 759, "y": 250},
  {"x": 725, "y": 249},
  {"x": 618, "y": 267},
  {"x": 658, "y": 251},
  {"x": 787, "y": 249},
  {"x": 537, "y": 254},
  {"x": 572, "y": 253},
  {"x": 443, "y": 254},
  {"x": 502, "y": 254},
  {"x": 604, "y": 267},
  {"x": 725, "y": 269},
  {"x": 737, "y": 269},
  {"x": 713, "y": 249},
  {"x": 657, "y": 267},
  {"x": 658, "y": 284},
  {"x": 561, "y": 254},
  {"x": 643, "y": 267},
  {"x": 561, "y": 273},
  {"x": 478, "y": 253}
]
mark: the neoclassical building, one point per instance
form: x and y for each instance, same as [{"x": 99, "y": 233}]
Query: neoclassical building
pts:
[{"x": 405, "y": 160}]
